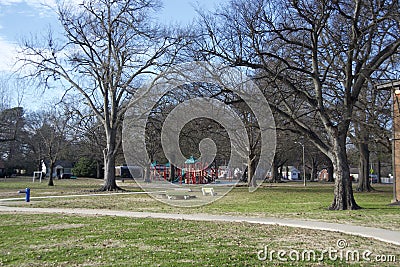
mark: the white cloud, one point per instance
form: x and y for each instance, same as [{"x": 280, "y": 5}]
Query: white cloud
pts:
[
  {"x": 42, "y": 8},
  {"x": 8, "y": 53},
  {"x": 38, "y": 3},
  {"x": 33, "y": 3}
]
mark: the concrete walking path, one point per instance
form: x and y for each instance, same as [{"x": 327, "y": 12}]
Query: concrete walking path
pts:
[{"x": 387, "y": 236}]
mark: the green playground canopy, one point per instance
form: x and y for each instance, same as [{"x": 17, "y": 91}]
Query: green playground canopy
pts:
[{"x": 191, "y": 160}]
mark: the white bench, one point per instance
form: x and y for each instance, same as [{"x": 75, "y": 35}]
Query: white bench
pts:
[
  {"x": 177, "y": 197},
  {"x": 208, "y": 191},
  {"x": 39, "y": 174}
]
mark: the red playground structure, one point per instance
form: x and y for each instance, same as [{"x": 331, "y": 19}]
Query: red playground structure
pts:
[{"x": 194, "y": 172}]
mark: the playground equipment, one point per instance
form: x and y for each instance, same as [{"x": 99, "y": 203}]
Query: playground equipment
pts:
[
  {"x": 225, "y": 173},
  {"x": 196, "y": 172},
  {"x": 193, "y": 172},
  {"x": 27, "y": 193},
  {"x": 160, "y": 171}
]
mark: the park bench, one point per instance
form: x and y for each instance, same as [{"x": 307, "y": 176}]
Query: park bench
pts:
[
  {"x": 208, "y": 191},
  {"x": 179, "y": 196}
]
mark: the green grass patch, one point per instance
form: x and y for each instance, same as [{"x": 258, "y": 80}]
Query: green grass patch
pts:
[
  {"x": 289, "y": 200},
  {"x": 59, "y": 240}
]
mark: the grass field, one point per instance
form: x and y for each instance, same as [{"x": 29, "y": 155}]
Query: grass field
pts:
[
  {"x": 282, "y": 200},
  {"x": 57, "y": 240}
]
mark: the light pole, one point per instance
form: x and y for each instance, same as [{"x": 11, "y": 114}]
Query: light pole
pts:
[{"x": 304, "y": 164}]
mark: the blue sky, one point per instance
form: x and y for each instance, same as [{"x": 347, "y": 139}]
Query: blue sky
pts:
[{"x": 21, "y": 18}]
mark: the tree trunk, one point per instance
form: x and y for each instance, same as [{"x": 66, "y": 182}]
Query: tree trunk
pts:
[
  {"x": 287, "y": 172},
  {"x": 51, "y": 182},
  {"x": 251, "y": 181},
  {"x": 330, "y": 172},
  {"x": 99, "y": 173},
  {"x": 314, "y": 173},
  {"x": 275, "y": 173},
  {"x": 379, "y": 172},
  {"x": 172, "y": 173},
  {"x": 243, "y": 179},
  {"x": 40, "y": 165},
  {"x": 343, "y": 191},
  {"x": 364, "y": 184},
  {"x": 249, "y": 171},
  {"x": 109, "y": 162},
  {"x": 109, "y": 173}
]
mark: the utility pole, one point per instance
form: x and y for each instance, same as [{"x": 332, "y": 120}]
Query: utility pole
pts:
[{"x": 304, "y": 164}]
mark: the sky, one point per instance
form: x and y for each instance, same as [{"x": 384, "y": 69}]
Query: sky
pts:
[{"x": 20, "y": 19}]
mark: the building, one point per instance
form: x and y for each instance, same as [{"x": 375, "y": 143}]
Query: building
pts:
[
  {"x": 291, "y": 173},
  {"x": 354, "y": 173},
  {"x": 62, "y": 169}
]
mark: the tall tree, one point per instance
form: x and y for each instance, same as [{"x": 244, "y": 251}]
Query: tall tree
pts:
[
  {"x": 11, "y": 123},
  {"x": 108, "y": 47},
  {"x": 314, "y": 58},
  {"x": 5, "y": 96},
  {"x": 50, "y": 137},
  {"x": 370, "y": 126},
  {"x": 13, "y": 139}
]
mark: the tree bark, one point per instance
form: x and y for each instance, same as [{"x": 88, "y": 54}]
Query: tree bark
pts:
[
  {"x": 287, "y": 172},
  {"x": 172, "y": 173},
  {"x": 51, "y": 181},
  {"x": 280, "y": 175},
  {"x": 109, "y": 173},
  {"x": 343, "y": 191},
  {"x": 330, "y": 171},
  {"x": 379, "y": 172},
  {"x": 314, "y": 173},
  {"x": 251, "y": 181},
  {"x": 109, "y": 162},
  {"x": 275, "y": 172},
  {"x": 364, "y": 184},
  {"x": 99, "y": 173}
]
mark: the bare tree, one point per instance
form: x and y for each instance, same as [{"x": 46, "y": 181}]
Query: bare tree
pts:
[
  {"x": 89, "y": 134},
  {"x": 50, "y": 137},
  {"x": 5, "y": 96},
  {"x": 108, "y": 47},
  {"x": 11, "y": 118},
  {"x": 11, "y": 122},
  {"x": 314, "y": 58}
]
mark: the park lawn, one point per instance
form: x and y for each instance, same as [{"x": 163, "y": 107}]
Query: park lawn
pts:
[
  {"x": 70, "y": 240},
  {"x": 289, "y": 200}
]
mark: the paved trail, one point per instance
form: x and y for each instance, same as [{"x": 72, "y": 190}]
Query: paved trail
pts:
[{"x": 388, "y": 236}]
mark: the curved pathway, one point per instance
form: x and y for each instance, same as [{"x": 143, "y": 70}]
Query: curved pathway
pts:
[{"x": 387, "y": 236}]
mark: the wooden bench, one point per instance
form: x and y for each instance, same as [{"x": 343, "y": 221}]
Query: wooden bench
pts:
[{"x": 208, "y": 191}]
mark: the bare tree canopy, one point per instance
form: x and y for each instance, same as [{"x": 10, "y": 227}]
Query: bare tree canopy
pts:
[
  {"x": 50, "y": 136},
  {"x": 313, "y": 58},
  {"x": 106, "y": 49}
]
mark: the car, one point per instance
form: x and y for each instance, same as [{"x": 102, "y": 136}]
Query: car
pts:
[
  {"x": 66, "y": 176},
  {"x": 373, "y": 178}
]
